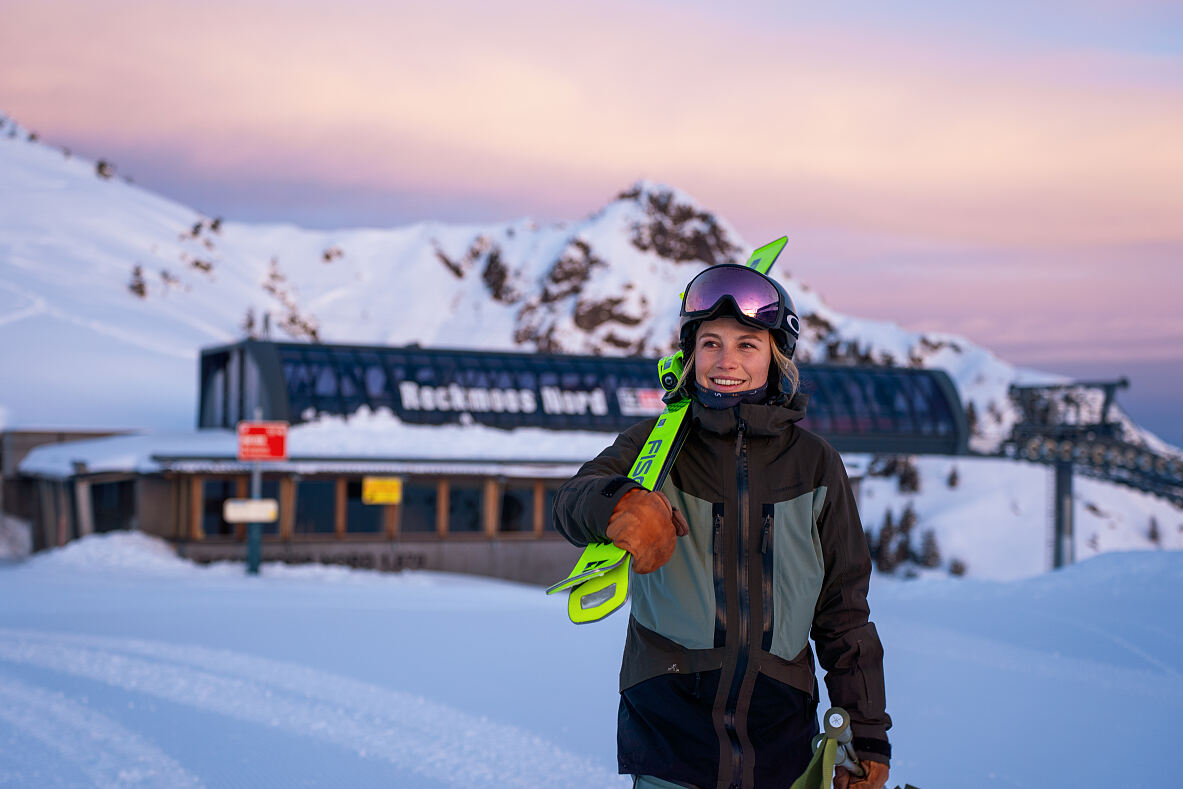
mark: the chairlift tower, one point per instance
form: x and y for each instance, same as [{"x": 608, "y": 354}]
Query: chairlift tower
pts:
[{"x": 1072, "y": 428}]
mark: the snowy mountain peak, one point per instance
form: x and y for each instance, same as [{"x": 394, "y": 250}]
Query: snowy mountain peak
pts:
[
  {"x": 107, "y": 275},
  {"x": 675, "y": 227}
]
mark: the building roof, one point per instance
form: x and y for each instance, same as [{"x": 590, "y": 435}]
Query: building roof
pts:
[
  {"x": 856, "y": 408},
  {"x": 367, "y": 442}
]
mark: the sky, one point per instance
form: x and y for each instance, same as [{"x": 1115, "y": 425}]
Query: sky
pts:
[{"x": 1008, "y": 171}]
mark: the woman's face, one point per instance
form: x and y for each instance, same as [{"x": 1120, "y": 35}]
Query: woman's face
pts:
[{"x": 731, "y": 357}]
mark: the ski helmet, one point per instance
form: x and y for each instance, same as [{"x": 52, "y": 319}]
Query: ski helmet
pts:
[{"x": 731, "y": 290}]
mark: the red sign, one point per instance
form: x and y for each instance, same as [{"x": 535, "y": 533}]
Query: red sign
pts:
[{"x": 262, "y": 440}]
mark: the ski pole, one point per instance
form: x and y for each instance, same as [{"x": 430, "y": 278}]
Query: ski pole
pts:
[{"x": 837, "y": 728}]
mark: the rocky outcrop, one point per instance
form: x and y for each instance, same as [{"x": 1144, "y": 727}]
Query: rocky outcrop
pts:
[{"x": 678, "y": 230}]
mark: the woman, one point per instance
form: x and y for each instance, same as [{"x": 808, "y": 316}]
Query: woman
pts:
[{"x": 751, "y": 547}]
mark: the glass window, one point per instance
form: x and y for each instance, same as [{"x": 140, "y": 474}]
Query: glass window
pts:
[
  {"x": 922, "y": 402},
  {"x": 891, "y": 393},
  {"x": 214, "y": 493},
  {"x": 464, "y": 507},
  {"x": 361, "y": 518},
  {"x": 213, "y": 390},
  {"x": 375, "y": 379},
  {"x": 113, "y": 505},
  {"x": 860, "y": 409},
  {"x": 818, "y": 415},
  {"x": 71, "y": 510},
  {"x": 517, "y": 508},
  {"x": 418, "y": 507},
  {"x": 316, "y": 501},
  {"x": 879, "y": 416},
  {"x": 326, "y": 382},
  {"x": 832, "y": 395},
  {"x": 233, "y": 388},
  {"x": 548, "y": 506},
  {"x": 270, "y": 490}
]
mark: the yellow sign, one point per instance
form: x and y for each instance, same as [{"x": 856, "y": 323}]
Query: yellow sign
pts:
[{"x": 381, "y": 490}]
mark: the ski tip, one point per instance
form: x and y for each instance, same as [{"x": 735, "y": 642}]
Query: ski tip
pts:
[{"x": 763, "y": 258}]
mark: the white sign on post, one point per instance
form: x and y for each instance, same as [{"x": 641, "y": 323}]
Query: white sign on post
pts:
[{"x": 250, "y": 511}]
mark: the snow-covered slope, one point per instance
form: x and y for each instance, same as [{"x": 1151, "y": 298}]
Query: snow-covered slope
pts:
[
  {"x": 992, "y": 518},
  {"x": 109, "y": 290},
  {"x": 121, "y": 665}
]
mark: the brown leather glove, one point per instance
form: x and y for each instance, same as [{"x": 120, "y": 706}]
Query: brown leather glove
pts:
[
  {"x": 876, "y": 777},
  {"x": 645, "y": 524}
]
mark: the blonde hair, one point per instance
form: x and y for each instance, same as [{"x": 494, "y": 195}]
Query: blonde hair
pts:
[
  {"x": 785, "y": 366},
  {"x": 788, "y": 370}
]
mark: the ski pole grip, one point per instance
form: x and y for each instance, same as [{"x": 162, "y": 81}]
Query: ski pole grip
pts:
[
  {"x": 837, "y": 728},
  {"x": 837, "y": 724}
]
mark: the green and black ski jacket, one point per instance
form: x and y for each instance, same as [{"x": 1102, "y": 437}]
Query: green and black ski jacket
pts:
[{"x": 717, "y": 682}]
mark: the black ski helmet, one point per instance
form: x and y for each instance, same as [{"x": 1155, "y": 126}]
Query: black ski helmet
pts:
[{"x": 752, "y": 298}]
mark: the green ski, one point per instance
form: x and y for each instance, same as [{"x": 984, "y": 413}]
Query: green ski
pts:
[
  {"x": 599, "y": 582},
  {"x": 763, "y": 258}
]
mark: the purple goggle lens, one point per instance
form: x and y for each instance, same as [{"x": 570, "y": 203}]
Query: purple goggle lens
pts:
[{"x": 754, "y": 296}]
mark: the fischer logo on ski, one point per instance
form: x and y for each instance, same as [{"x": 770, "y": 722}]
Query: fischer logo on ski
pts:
[{"x": 645, "y": 462}]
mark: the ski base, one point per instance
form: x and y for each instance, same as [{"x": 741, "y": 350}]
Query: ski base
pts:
[{"x": 597, "y": 559}]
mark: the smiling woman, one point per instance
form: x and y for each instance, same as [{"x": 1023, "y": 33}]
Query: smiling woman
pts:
[
  {"x": 751, "y": 548},
  {"x": 731, "y": 358}
]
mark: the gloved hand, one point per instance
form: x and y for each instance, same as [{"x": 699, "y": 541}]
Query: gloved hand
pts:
[
  {"x": 645, "y": 524},
  {"x": 876, "y": 777}
]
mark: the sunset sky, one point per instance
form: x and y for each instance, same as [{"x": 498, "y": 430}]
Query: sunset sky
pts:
[{"x": 1010, "y": 171}]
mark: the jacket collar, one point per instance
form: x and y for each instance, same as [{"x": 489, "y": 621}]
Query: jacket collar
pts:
[{"x": 764, "y": 419}]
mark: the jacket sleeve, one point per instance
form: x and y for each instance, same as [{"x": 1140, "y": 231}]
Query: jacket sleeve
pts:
[
  {"x": 585, "y": 502},
  {"x": 848, "y": 645}
]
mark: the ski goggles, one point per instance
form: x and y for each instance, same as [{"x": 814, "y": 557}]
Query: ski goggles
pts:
[{"x": 752, "y": 295}]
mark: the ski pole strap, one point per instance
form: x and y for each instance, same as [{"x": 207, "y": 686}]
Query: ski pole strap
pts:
[
  {"x": 820, "y": 772},
  {"x": 832, "y": 748}
]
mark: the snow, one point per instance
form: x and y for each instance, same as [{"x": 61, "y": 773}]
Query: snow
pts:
[
  {"x": 998, "y": 519},
  {"x": 364, "y": 435},
  {"x": 122, "y": 665},
  {"x": 16, "y": 538}
]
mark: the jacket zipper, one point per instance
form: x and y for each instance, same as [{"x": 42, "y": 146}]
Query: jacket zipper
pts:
[
  {"x": 766, "y": 577},
  {"x": 744, "y": 607},
  {"x": 720, "y": 586}
]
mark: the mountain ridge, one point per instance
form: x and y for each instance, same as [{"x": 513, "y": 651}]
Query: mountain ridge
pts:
[
  {"x": 108, "y": 292},
  {"x": 84, "y": 250}
]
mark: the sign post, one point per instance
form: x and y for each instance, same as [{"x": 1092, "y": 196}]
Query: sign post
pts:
[{"x": 258, "y": 442}]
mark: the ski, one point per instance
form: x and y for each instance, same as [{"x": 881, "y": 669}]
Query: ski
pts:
[
  {"x": 763, "y": 258},
  {"x": 597, "y": 558},
  {"x": 599, "y": 582}
]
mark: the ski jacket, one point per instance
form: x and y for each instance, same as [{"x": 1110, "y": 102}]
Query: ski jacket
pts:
[{"x": 717, "y": 681}]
